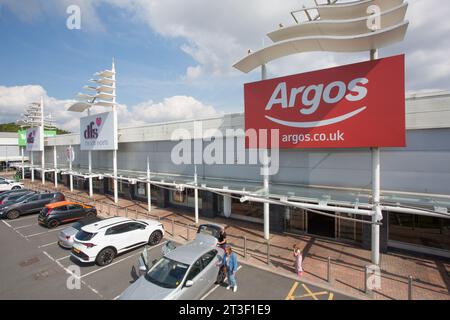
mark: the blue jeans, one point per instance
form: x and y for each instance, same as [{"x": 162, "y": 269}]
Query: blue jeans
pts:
[{"x": 232, "y": 279}]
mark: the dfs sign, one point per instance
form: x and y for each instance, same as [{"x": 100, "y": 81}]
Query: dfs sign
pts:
[
  {"x": 35, "y": 139},
  {"x": 99, "y": 132},
  {"x": 353, "y": 106}
]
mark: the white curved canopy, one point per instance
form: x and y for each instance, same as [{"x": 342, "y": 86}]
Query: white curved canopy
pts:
[
  {"x": 100, "y": 88},
  {"x": 104, "y": 96},
  {"x": 105, "y": 81},
  {"x": 105, "y": 74},
  {"x": 351, "y": 27},
  {"x": 365, "y": 42},
  {"x": 103, "y": 104},
  {"x": 79, "y": 107},
  {"x": 352, "y": 10}
]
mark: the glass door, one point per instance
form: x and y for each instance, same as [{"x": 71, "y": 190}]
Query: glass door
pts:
[{"x": 296, "y": 221}]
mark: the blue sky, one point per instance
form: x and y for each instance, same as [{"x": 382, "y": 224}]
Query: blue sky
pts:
[{"x": 174, "y": 58}]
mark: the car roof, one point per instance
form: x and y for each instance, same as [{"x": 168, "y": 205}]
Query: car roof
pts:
[
  {"x": 192, "y": 251},
  {"x": 63, "y": 203},
  {"x": 103, "y": 224}
]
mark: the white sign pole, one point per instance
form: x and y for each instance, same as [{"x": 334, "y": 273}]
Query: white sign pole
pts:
[
  {"x": 70, "y": 168},
  {"x": 43, "y": 146},
  {"x": 116, "y": 192},
  {"x": 266, "y": 174},
  {"x": 55, "y": 166},
  {"x": 196, "y": 195},
  {"x": 23, "y": 168},
  {"x": 90, "y": 165},
  {"x": 149, "y": 188},
  {"x": 376, "y": 185},
  {"x": 32, "y": 166}
]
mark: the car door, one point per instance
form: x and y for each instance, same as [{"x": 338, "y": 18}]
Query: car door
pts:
[
  {"x": 75, "y": 212},
  {"x": 39, "y": 203},
  {"x": 138, "y": 233},
  {"x": 196, "y": 275},
  {"x": 28, "y": 204},
  {"x": 62, "y": 214},
  {"x": 117, "y": 237},
  {"x": 211, "y": 270}
]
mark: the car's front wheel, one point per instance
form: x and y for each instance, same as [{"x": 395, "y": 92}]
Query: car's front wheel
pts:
[
  {"x": 53, "y": 223},
  {"x": 105, "y": 257},
  {"x": 13, "y": 214},
  {"x": 155, "y": 238},
  {"x": 16, "y": 188}
]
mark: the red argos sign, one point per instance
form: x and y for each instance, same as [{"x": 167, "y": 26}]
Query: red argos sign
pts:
[{"x": 353, "y": 106}]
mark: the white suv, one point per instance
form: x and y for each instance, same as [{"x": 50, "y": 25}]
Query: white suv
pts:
[{"x": 101, "y": 241}]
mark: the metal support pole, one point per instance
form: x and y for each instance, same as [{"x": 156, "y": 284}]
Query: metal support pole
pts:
[
  {"x": 376, "y": 185},
  {"x": 149, "y": 189},
  {"x": 268, "y": 252},
  {"x": 91, "y": 193},
  {"x": 196, "y": 196},
  {"x": 117, "y": 211},
  {"x": 136, "y": 213},
  {"x": 23, "y": 160},
  {"x": 410, "y": 288},
  {"x": 329, "y": 270},
  {"x": 366, "y": 278},
  {"x": 70, "y": 168},
  {"x": 43, "y": 166},
  {"x": 173, "y": 227},
  {"x": 55, "y": 164},
  {"x": 245, "y": 247},
  {"x": 187, "y": 232},
  {"x": 266, "y": 175},
  {"x": 116, "y": 191}
]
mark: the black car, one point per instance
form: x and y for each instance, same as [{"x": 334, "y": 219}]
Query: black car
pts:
[
  {"x": 54, "y": 214},
  {"x": 27, "y": 204}
]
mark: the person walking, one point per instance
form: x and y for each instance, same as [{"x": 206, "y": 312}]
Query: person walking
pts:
[
  {"x": 298, "y": 260},
  {"x": 222, "y": 240},
  {"x": 231, "y": 264}
]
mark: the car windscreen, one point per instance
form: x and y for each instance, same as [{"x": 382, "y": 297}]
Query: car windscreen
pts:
[
  {"x": 209, "y": 230},
  {"x": 167, "y": 273},
  {"x": 84, "y": 236}
]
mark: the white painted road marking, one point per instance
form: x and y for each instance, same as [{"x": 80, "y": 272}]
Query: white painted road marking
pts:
[
  {"x": 7, "y": 224},
  {"x": 41, "y": 233},
  {"x": 26, "y": 226},
  {"x": 48, "y": 244},
  {"x": 215, "y": 287}
]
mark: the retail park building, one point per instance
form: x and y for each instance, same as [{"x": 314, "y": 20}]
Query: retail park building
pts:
[{"x": 417, "y": 176}]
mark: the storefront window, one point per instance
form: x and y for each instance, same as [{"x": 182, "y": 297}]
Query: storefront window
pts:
[
  {"x": 295, "y": 221},
  {"x": 420, "y": 230},
  {"x": 247, "y": 209},
  {"x": 349, "y": 230},
  {"x": 185, "y": 198}
]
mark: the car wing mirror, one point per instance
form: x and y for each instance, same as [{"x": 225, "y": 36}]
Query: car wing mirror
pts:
[
  {"x": 189, "y": 283},
  {"x": 143, "y": 267}
]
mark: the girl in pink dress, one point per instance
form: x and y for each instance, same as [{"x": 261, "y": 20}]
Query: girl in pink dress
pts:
[{"x": 298, "y": 260}]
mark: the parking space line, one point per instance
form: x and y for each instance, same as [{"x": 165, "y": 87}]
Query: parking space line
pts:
[
  {"x": 7, "y": 224},
  {"x": 73, "y": 274},
  {"x": 23, "y": 219},
  {"x": 47, "y": 245},
  {"x": 40, "y": 233},
  {"x": 110, "y": 265},
  {"x": 28, "y": 225},
  {"x": 63, "y": 258},
  {"x": 215, "y": 287}
]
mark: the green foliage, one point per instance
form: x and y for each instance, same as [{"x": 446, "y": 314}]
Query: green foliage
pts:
[{"x": 12, "y": 127}]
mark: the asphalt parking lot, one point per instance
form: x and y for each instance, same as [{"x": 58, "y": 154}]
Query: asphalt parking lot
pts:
[{"x": 34, "y": 266}]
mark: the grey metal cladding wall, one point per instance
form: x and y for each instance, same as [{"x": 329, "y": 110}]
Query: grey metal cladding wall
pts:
[{"x": 424, "y": 166}]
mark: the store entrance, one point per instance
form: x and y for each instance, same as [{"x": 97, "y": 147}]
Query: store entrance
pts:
[{"x": 321, "y": 225}]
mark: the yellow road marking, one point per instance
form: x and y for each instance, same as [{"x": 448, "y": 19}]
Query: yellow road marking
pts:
[{"x": 291, "y": 292}]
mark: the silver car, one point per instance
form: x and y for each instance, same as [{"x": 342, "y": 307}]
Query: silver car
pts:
[
  {"x": 66, "y": 236},
  {"x": 184, "y": 273}
]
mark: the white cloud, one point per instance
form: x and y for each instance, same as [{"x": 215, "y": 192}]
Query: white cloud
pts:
[
  {"x": 171, "y": 109},
  {"x": 13, "y": 102}
]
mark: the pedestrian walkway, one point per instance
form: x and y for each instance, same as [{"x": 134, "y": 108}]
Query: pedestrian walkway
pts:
[{"x": 347, "y": 274}]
